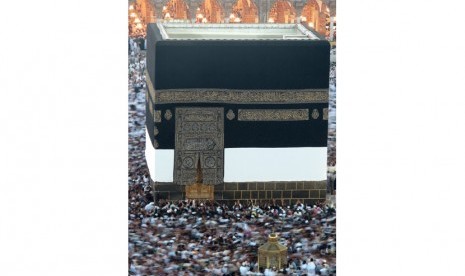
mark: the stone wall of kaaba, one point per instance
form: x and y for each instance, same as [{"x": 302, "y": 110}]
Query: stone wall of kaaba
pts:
[{"x": 308, "y": 192}]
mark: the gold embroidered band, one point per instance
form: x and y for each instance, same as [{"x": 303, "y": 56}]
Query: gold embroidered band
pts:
[
  {"x": 296, "y": 96},
  {"x": 273, "y": 115}
]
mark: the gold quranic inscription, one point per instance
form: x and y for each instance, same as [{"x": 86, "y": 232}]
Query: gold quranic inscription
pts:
[
  {"x": 241, "y": 96},
  {"x": 273, "y": 115},
  {"x": 199, "y": 135},
  {"x": 325, "y": 114},
  {"x": 167, "y": 96}
]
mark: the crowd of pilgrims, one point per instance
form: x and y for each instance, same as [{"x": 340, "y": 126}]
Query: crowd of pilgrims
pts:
[
  {"x": 138, "y": 172},
  {"x": 331, "y": 121},
  {"x": 132, "y": 26},
  {"x": 208, "y": 238}
]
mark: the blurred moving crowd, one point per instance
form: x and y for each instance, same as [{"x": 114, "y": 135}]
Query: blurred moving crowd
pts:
[
  {"x": 208, "y": 238},
  {"x": 138, "y": 171},
  {"x": 332, "y": 126}
]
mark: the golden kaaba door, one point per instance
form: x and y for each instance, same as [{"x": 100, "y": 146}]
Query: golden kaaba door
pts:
[
  {"x": 199, "y": 191},
  {"x": 199, "y": 134}
]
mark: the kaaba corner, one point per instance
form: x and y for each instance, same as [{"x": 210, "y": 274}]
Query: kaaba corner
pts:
[{"x": 244, "y": 105}]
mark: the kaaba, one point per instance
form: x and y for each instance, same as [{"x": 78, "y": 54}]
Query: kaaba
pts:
[{"x": 247, "y": 103}]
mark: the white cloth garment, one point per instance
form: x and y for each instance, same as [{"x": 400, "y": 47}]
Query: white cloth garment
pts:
[{"x": 311, "y": 267}]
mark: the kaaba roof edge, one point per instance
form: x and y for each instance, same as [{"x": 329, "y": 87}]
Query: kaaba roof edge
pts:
[
  {"x": 190, "y": 31},
  {"x": 236, "y": 64}
]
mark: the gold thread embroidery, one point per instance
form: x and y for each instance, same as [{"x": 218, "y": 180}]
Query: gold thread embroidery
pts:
[
  {"x": 199, "y": 135},
  {"x": 167, "y": 96},
  {"x": 168, "y": 114},
  {"x": 325, "y": 114},
  {"x": 150, "y": 89},
  {"x": 315, "y": 114},
  {"x": 241, "y": 96},
  {"x": 273, "y": 114},
  {"x": 230, "y": 115}
]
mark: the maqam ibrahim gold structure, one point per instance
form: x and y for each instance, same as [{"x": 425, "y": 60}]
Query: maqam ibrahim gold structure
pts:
[
  {"x": 272, "y": 254},
  {"x": 198, "y": 190}
]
